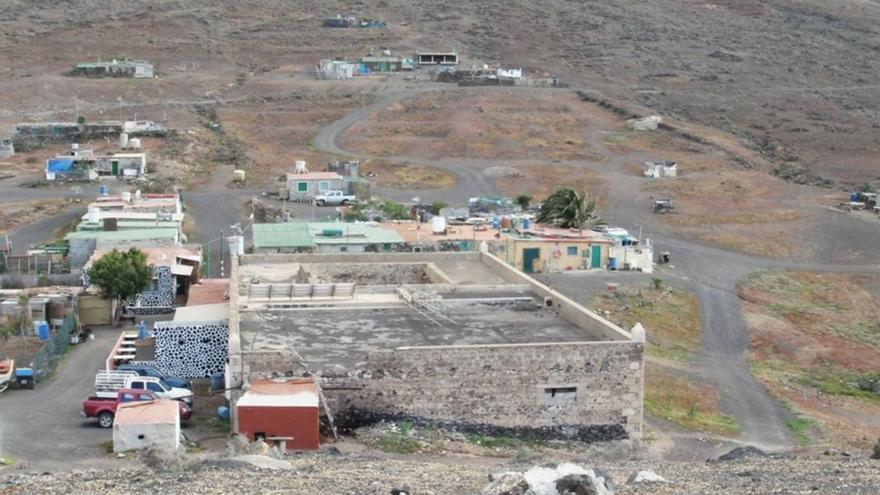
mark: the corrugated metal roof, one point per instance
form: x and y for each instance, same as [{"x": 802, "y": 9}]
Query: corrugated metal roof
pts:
[
  {"x": 128, "y": 234},
  {"x": 282, "y": 235}
]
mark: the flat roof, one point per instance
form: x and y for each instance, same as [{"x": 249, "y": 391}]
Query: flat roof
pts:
[
  {"x": 314, "y": 176},
  {"x": 282, "y": 235},
  {"x": 280, "y": 393},
  {"x": 306, "y": 235},
  {"x": 202, "y": 312},
  {"x": 329, "y": 337},
  {"x": 415, "y": 232},
  {"x": 158, "y": 255},
  {"x": 161, "y": 233},
  {"x": 208, "y": 291}
]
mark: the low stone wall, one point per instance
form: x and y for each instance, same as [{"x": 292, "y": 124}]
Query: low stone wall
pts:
[{"x": 589, "y": 391}]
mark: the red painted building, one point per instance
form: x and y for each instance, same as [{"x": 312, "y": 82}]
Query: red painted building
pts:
[{"x": 282, "y": 412}]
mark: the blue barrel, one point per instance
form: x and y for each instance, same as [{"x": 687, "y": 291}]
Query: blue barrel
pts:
[
  {"x": 496, "y": 223},
  {"x": 527, "y": 224},
  {"x": 853, "y": 196},
  {"x": 223, "y": 412},
  {"x": 43, "y": 331},
  {"x": 218, "y": 381},
  {"x": 102, "y": 190},
  {"x": 612, "y": 263}
]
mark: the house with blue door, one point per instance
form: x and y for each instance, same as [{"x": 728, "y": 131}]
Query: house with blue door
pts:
[{"x": 547, "y": 249}]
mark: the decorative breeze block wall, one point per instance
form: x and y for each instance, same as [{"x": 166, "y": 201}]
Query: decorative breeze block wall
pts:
[{"x": 191, "y": 349}]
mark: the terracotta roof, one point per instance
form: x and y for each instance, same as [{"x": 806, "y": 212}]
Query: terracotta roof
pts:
[
  {"x": 208, "y": 291},
  {"x": 315, "y": 176},
  {"x": 147, "y": 412}
]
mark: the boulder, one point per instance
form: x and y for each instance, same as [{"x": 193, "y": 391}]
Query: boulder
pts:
[
  {"x": 576, "y": 484},
  {"x": 876, "y": 454},
  {"x": 507, "y": 484},
  {"x": 646, "y": 476},
  {"x": 742, "y": 453}
]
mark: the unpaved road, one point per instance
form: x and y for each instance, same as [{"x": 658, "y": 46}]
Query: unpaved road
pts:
[{"x": 711, "y": 272}]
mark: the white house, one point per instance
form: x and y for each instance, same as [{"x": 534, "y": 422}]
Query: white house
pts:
[{"x": 142, "y": 424}]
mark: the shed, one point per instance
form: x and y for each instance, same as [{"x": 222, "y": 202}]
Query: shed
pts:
[
  {"x": 283, "y": 412},
  {"x": 138, "y": 425}
]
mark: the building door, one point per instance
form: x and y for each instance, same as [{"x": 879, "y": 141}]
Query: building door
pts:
[
  {"x": 595, "y": 256},
  {"x": 114, "y": 167},
  {"x": 530, "y": 255}
]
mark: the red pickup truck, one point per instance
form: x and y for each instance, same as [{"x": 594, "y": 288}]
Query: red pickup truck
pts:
[{"x": 105, "y": 409}]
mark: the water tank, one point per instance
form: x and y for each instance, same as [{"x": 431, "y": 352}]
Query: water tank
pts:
[
  {"x": 126, "y": 196},
  {"x": 853, "y": 196},
  {"x": 134, "y": 143},
  {"x": 300, "y": 167},
  {"x": 526, "y": 223},
  {"x": 612, "y": 263},
  {"x": 123, "y": 140},
  {"x": 102, "y": 190},
  {"x": 93, "y": 215},
  {"x": 438, "y": 225},
  {"x": 238, "y": 175},
  {"x": 496, "y": 223},
  {"x": 506, "y": 223},
  {"x": 332, "y": 232},
  {"x": 43, "y": 330}
]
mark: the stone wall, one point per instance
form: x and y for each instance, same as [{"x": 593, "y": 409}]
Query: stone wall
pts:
[{"x": 588, "y": 391}]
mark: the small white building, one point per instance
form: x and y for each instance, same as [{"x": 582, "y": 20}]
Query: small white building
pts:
[
  {"x": 303, "y": 185},
  {"x": 143, "y": 424},
  {"x": 335, "y": 69},
  {"x": 662, "y": 168}
]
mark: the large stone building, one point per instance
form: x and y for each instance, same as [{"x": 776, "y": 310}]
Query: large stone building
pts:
[{"x": 460, "y": 340}]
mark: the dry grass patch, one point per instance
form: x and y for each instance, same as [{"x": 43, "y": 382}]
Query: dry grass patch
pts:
[
  {"x": 405, "y": 176},
  {"x": 539, "y": 180},
  {"x": 815, "y": 341},
  {"x": 670, "y": 316},
  {"x": 685, "y": 403},
  {"x": 18, "y": 213}
]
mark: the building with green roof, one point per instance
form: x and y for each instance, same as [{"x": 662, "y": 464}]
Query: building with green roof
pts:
[{"x": 324, "y": 237}]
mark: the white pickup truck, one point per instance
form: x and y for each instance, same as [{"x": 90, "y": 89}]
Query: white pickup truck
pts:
[
  {"x": 334, "y": 198},
  {"x": 108, "y": 382}
]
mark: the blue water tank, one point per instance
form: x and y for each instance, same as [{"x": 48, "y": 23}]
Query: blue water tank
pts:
[
  {"x": 496, "y": 223},
  {"x": 853, "y": 196},
  {"x": 527, "y": 224},
  {"x": 43, "y": 331},
  {"x": 102, "y": 190},
  {"x": 218, "y": 381},
  {"x": 612, "y": 263}
]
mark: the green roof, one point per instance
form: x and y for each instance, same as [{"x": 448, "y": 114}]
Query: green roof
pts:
[
  {"x": 128, "y": 234},
  {"x": 282, "y": 235},
  {"x": 353, "y": 233},
  {"x": 306, "y": 235}
]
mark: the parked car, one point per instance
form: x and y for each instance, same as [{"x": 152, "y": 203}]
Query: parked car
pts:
[
  {"x": 104, "y": 408},
  {"x": 108, "y": 382},
  {"x": 334, "y": 198},
  {"x": 147, "y": 370}
]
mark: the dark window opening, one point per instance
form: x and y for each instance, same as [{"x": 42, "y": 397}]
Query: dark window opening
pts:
[{"x": 560, "y": 396}]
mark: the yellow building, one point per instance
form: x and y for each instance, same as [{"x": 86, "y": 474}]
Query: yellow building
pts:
[{"x": 557, "y": 250}]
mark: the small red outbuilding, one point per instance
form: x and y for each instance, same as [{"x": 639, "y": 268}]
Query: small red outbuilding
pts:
[{"x": 283, "y": 412}]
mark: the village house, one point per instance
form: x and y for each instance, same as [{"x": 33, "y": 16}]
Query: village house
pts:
[
  {"x": 437, "y": 58},
  {"x": 547, "y": 249},
  {"x": 303, "y": 185},
  {"x": 81, "y": 164},
  {"x": 125, "y": 67}
]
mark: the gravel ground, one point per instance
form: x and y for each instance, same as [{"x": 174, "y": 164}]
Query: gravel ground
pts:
[{"x": 328, "y": 474}]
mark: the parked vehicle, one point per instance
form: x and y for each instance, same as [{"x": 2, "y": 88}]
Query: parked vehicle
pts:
[
  {"x": 7, "y": 366},
  {"x": 108, "y": 382},
  {"x": 334, "y": 198},
  {"x": 147, "y": 370},
  {"x": 104, "y": 408}
]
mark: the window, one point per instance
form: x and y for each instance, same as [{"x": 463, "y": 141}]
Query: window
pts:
[
  {"x": 302, "y": 186},
  {"x": 571, "y": 250},
  {"x": 145, "y": 397},
  {"x": 323, "y": 186},
  {"x": 141, "y": 436},
  {"x": 137, "y": 385},
  {"x": 560, "y": 396},
  {"x": 127, "y": 398},
  {"x": 155, "y": 387}
]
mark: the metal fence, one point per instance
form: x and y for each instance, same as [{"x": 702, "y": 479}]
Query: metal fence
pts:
[{"x": 47, "y": 359}]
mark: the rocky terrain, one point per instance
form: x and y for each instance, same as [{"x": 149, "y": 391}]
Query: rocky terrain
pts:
[{"x": 747, "y": 473}]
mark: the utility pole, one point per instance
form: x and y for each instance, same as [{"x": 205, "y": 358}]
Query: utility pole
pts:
[{"x": 222, "y": 265}]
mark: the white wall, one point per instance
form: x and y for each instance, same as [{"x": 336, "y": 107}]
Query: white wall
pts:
[{"x": 165, "y": 436}]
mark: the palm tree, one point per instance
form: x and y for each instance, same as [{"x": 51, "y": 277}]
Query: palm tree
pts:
[{"x": 569, "y": 209}]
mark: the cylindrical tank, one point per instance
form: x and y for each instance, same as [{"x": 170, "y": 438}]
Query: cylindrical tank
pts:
[
  {"x": 102, "y": 190},
  {"x": 126, "y": 196},
  {"x": 506, "y": 223},
  {"x": 137, "y": 194},
  {"x": 496, "y": 223},
  {"x": 43, "y": 330},
  {"x": 853, "y": 196},
  {"x": 300, "y": 166},
  {"x": 134, "y": 143},
  {"x": 93, "y": 215},
  {"x": 123, "y": 140},
  {"x": 527, "y": 224},
  {"x": 612, "y": 263},
  {"x": 438, "y": 225}
]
